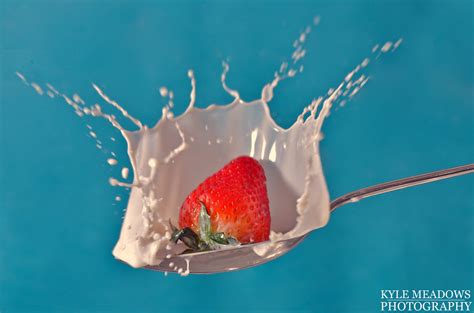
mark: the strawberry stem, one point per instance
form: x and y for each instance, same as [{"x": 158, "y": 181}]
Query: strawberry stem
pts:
[
  {"x": 206, "y": 240},
  {"x": 205, "y": 225}
]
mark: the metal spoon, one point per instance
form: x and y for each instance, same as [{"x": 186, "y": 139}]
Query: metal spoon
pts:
[{"x": 244, "y": 256}]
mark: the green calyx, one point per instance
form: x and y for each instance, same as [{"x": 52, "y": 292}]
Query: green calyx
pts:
[{"x": 206, "y": 240}]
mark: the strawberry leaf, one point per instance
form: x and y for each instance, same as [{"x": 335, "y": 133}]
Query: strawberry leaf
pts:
[
  {"x": 222, "y": 239},
  {"x": 219, "y": 238},
  {"x": 175, "y": 232},
  {"x": 188, "y": 237},
  {"x": 204, "y": 224},
  {"x": 175, "y": 236},
  {"x": 172, "y": 227},
  {"x": 232, "y": 241}
]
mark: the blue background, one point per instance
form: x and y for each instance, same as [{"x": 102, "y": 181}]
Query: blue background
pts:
[{"x": 58, "y": 218}]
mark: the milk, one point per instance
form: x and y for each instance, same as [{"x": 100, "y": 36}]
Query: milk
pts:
[{"x": 174, "y": 156}]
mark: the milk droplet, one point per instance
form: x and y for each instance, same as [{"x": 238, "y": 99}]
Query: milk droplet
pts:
[
  {"x": 386, "y": 46},
  {"x": 302, "y": 37},
  {"x": 163, "y": 91},
  {"x": 125, "y": 173},
  {"x": 316, "y": 20},
  {"x": 37, "y": 88},
  {"x": 396, "y": 44},
  {"x": 22, "y": 78},
  {"x": 112, "y": 161},
  {"x": 186, "y": 272},
  {"x": 152, "y": 162},
  {"x": 77, "y": 99}
]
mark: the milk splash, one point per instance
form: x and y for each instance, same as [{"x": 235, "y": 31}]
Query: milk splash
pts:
[{"x": 170, "y": 159}]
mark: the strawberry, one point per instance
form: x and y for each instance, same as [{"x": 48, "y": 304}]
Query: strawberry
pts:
[{"x": 229, "y": 207}]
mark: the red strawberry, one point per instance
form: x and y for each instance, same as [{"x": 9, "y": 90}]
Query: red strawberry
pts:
[{"x": 232, "y": 204}]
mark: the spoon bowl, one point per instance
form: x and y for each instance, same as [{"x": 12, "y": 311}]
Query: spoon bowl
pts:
[
  {"x": 245, "y": 256},
  {"x": 229, "y": 259}
]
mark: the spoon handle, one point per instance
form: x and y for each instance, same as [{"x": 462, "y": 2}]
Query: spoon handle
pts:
[{"x": 400, "y": 184}]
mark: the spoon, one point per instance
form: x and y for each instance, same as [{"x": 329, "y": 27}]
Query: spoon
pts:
[{"x": 241, "y": 257}]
